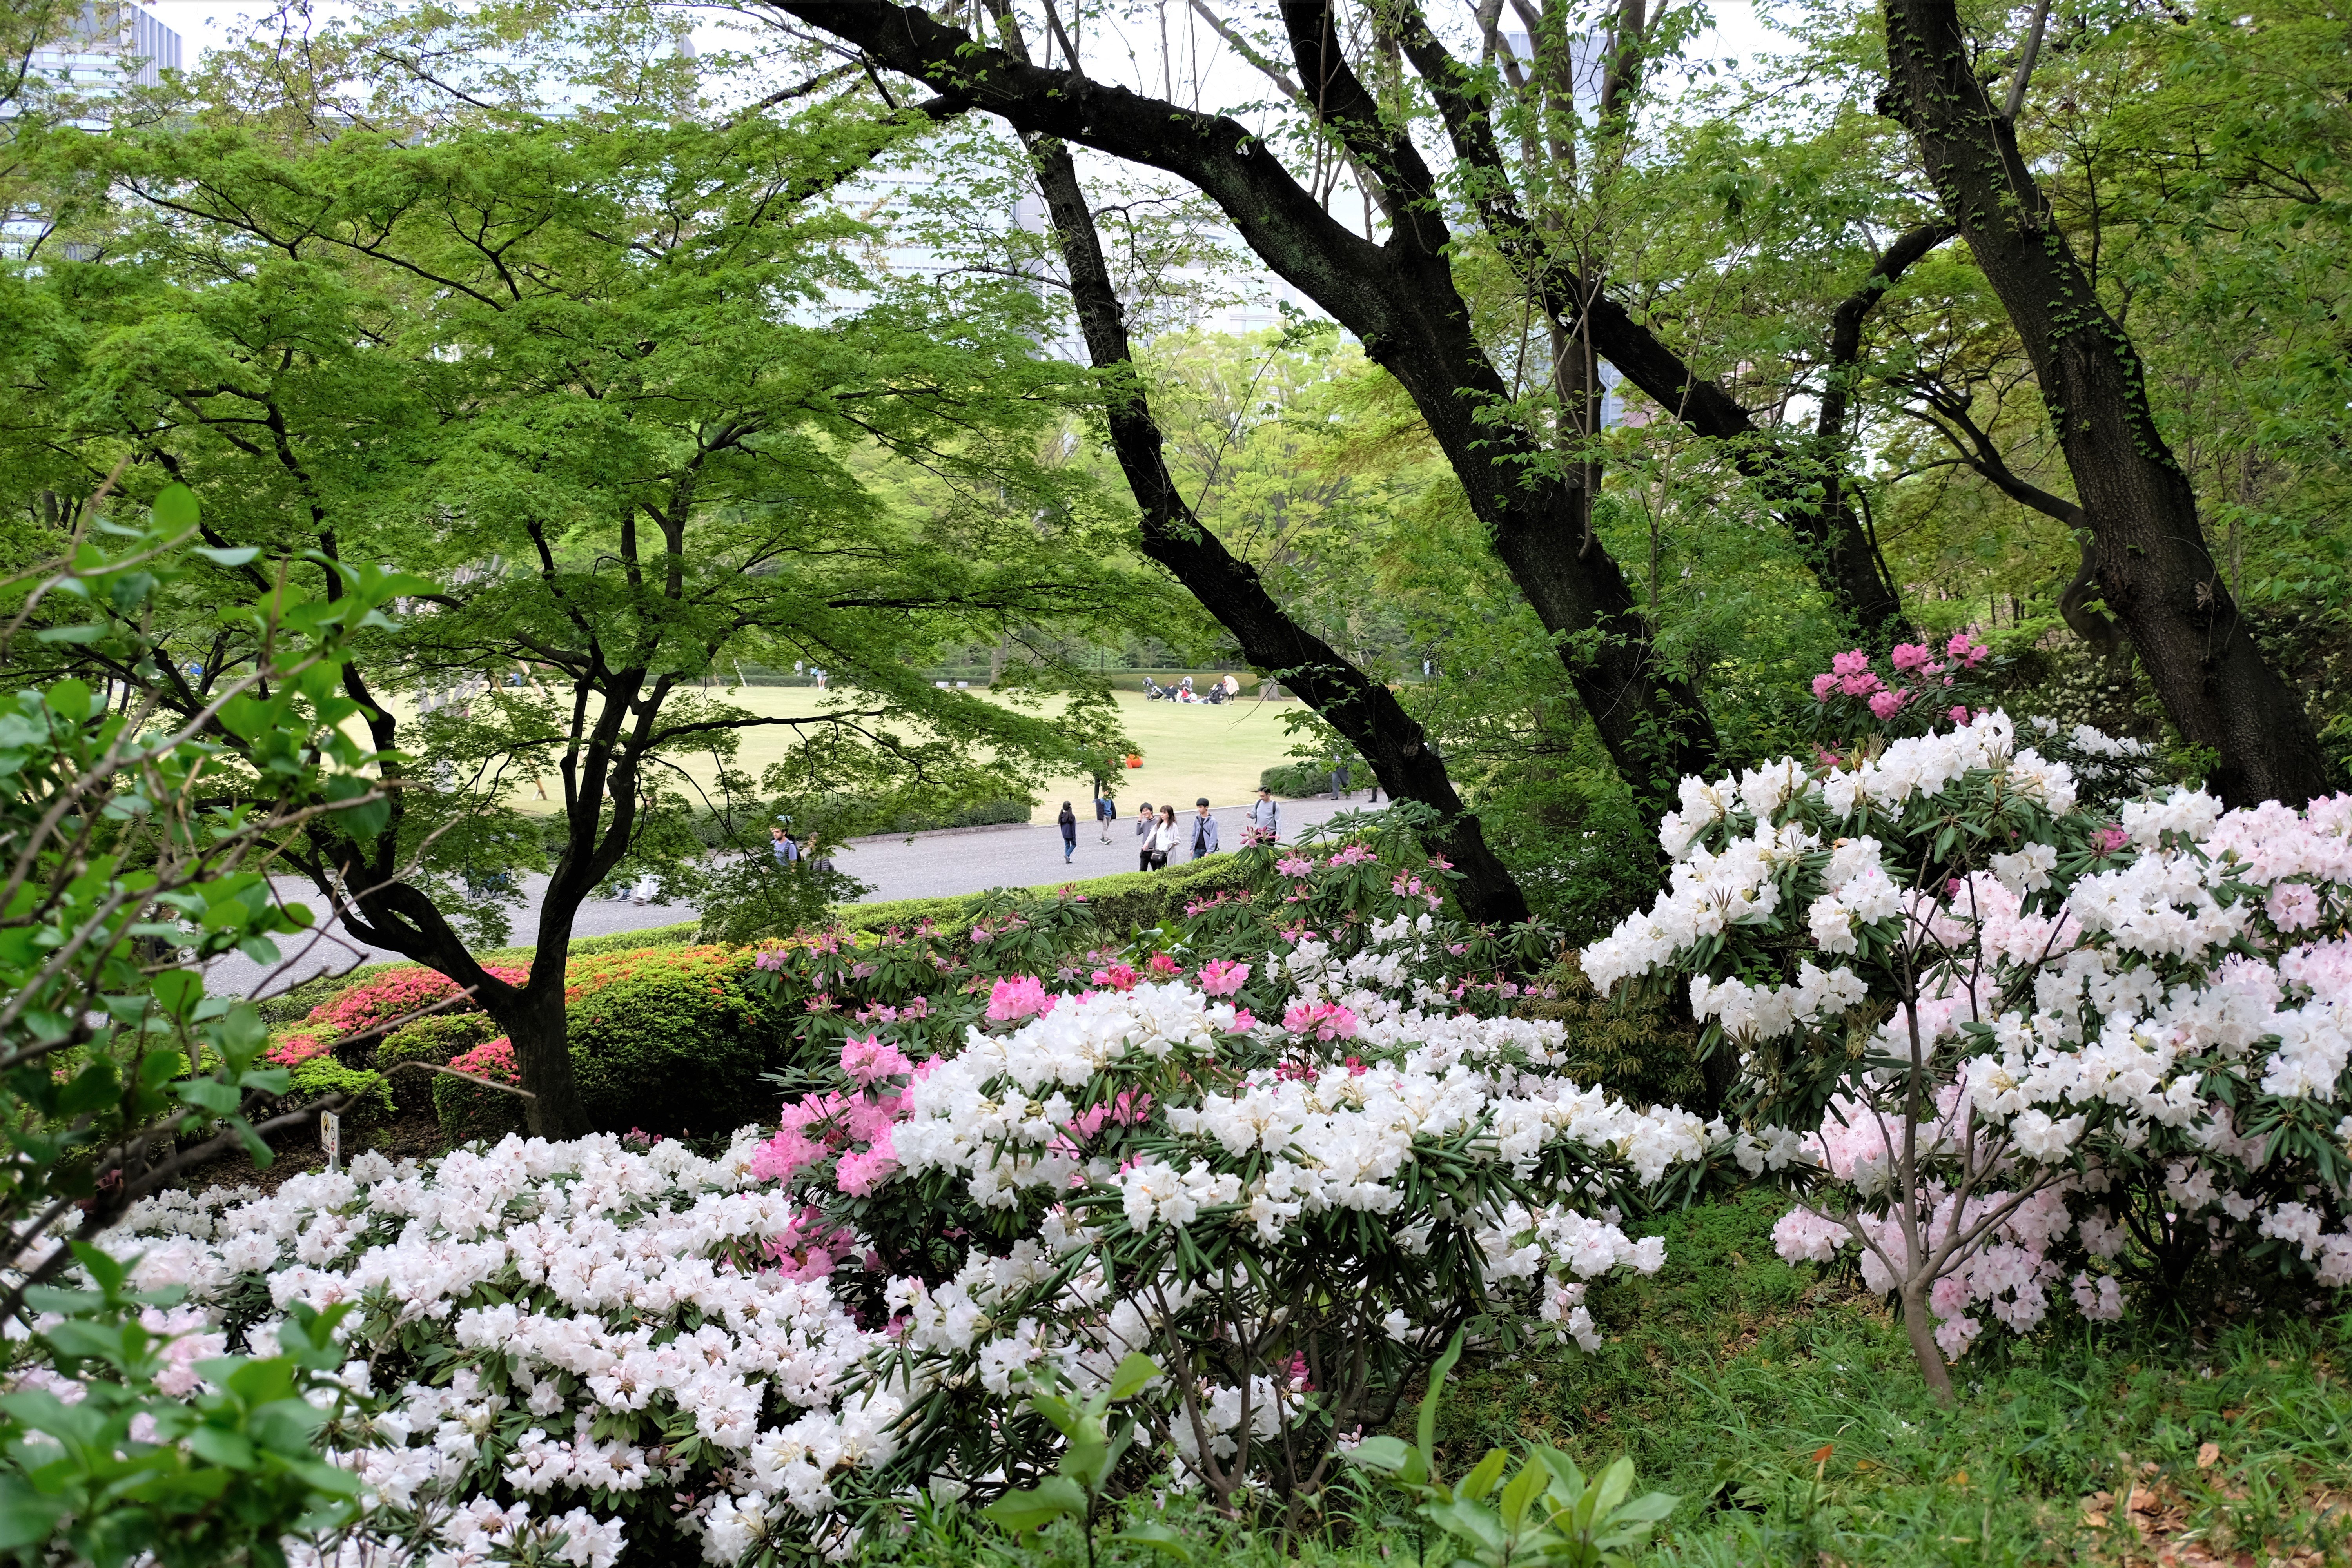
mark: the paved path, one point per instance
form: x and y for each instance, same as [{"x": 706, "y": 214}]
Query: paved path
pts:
[{"x": 935, "y": 865}]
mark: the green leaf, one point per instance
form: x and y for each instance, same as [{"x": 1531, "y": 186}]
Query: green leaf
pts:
[
  {"x": 1521, "y": 1490},
  {"x": 1382, "y": 1453},
  {"x": 176, "y": 508},
  {"x": 1158, "y": 1538},
  {"x": 1483, "y": 1480},
  {"x": 1133, "y": 1373},
  {"x": 1426, "y": 1427},
  {"x": 1087, "y": 1461},
  {"x": 219, "y": 1446},
  {"x": 1056, "y": 1497},
  {"x": 27, "y": 1517},
  {"x": 1472, "y": 1522}
]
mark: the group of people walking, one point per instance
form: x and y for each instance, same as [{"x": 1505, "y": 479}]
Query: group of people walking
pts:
[{"x": 1160, "y": 834}]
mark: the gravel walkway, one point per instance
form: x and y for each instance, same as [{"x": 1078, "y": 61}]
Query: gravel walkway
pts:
[{"x": 930, "y": 865}]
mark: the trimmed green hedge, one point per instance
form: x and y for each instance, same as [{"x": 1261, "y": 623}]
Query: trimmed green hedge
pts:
[
  {"x": 1120, "y": 902},
  {"x": 371, "y": 1096},
  {"x": 293, "y": 1005},
  {"x": 672, "y": 1040},
  {"x": 1299, "y": 780},
  {"x": 432, "y": 1040},
  {"x": 467, "y": 1110}
]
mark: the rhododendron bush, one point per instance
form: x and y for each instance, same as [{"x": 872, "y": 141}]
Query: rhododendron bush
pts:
[
  {"x": 1289, "y": 1220},
  {"x": 569, "y": 1348},
  {"x": 2020, "y": 1054}
]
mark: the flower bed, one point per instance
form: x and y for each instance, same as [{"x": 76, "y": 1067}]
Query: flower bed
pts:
[{"x": 2013, "y": 1047}]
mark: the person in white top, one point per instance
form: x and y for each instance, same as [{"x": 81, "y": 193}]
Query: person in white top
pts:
[{"x": 1165, "y": 836}]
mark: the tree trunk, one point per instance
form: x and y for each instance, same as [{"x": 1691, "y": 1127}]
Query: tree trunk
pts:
[
  {"x": 1919, "y": 1328},
  {"x": 540, "y": 1031},
  {"x": 1359, "y": 708},
  {"x": 2153, "y": 565},
  {"x": 1398, "y": 297}
]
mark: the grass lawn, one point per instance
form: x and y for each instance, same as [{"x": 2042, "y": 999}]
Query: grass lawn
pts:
[
  {"x": 1782, "y": 1408},
  {"x": 1189, "y": 750}
]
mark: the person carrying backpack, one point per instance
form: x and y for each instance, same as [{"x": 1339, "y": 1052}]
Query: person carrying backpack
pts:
[
  {"x": 1264, "y": 817},
  {"x": 1203, "y": 830}
]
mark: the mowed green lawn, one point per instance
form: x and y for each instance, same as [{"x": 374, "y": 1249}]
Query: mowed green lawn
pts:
[{"x": 1189, "y": 750}]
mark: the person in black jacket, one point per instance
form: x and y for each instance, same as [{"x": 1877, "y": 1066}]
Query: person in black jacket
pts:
[{"x": 1069, "y": 822}]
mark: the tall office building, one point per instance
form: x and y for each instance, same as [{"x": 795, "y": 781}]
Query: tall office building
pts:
[{"x": 96, "y": 53}]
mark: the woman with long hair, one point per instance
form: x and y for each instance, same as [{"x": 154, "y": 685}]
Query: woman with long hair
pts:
[
  {"x": 1069, "y": 825},
  {"x": 1164, "y": 834}
]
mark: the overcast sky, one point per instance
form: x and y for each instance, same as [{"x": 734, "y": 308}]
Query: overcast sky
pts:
[{"x": 1736, "y": 34}]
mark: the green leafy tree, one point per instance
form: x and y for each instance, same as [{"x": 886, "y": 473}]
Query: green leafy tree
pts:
[{"x": 595, "y": 380}]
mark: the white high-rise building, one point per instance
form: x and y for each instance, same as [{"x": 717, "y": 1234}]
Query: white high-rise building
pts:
[{"x": 102, "y": 49}]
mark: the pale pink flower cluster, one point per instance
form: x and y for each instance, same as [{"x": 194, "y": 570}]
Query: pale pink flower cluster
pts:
[
  {"x": 1223, "y": 977},
  {"x": 1021, "y": 997},
  {"x": 2077, "y": 1016}
]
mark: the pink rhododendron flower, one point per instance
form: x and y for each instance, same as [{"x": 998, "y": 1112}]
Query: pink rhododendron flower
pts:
[
  {"x": 1223, "y": 977},
  {"x": 1244, "y": 1021},
  {"x": 1822, "y": 686},
  {"x": 1118, "y": 977},
  {"x": 1294, "y": 865},
  {"x": 869, "y": 1058},
  {"x": 1860, "y": 685},
  {"x": 1959, "y": 714},
  {"x": 1128, "y": 1110},
  {"x": 294, "y": 1050},
  {"x": 858, "y": 1174},
  {"x": 1353, "y": 855},
  {"x": 1886, "y": 704},
  {"x": 2107, "y": 840},
  {"x": 1022, "y": 996},
  {"x": 1909, "y": 657},
  {"x": 1162, "y": 965},
  {"x": 1324, "y": 1020},
  {"x": 1967, "y": 649}
]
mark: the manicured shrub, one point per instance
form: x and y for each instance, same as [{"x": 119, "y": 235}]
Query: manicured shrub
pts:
[
  {"x": 292, "y": 1048},
  {"x": 1297, "y": 781},
  {"x": 394, "y": 993},
  {"x": 671, "y": 1039},
  {"x": 370, "y": 1097},
  {"x": 433, "y": 1040},
  {"x": 468, "y": 1111}
]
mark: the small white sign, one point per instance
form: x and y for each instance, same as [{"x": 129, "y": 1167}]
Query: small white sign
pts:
[{"x": 331, "y": 1139}]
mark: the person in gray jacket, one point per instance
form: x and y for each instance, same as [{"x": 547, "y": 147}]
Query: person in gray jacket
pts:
[
  {"x": 1265, "y": 818},
  {"x": 1204, "y": 830}
]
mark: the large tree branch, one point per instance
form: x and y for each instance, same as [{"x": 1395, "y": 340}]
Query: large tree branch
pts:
[
  {"x": 1836, "y": 544},
  {"x": 1401, "y": 300},
  {"x": 1359, "y": 708}
]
